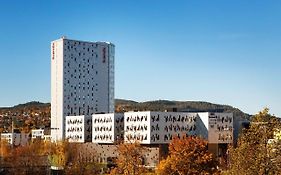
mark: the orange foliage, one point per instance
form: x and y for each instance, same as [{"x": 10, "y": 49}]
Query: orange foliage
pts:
[
  {"x": 188, "y": 155},
  {"x": 5, "y": 148},
  {"x": 130, "y": 159}
]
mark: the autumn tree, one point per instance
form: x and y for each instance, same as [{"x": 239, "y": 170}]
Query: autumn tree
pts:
[
  {"x": 5, "y": 150},
  {"x": 274, "y": 152},
  {"x": 29, "y": 159},
  {"x": 254, "y": 154},
  {"x": 80, "y": 162},
  {"x": 37, "y": 157},
  {"x": 188, "y": 156},
  {"x": 59, "y": 154},
  {"x": 130, "y": 159}
]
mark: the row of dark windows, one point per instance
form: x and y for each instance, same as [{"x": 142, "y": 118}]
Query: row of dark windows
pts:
[
  {"x": 82, "y": 60},
  {"x": 103, "y": 120},
  {"x": 103, "y": 128},
  {"x": 136, "y": 137},
  {"x": 177, "y": 128},
  {"x": 74, "y": 43},
  {"x": 136, "y": 118},
  {"x": 87, "y": 71},
  {"x": 180, "y": 118},
  {"x": 81, "y": 111},
  {"x": 103, "y": 137},
  {"x": 137, "y": 128}
]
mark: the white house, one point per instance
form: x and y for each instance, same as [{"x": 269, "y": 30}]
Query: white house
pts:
[
  {"x": 37, "y": 133},
  {"x": 15, "y": 139}
]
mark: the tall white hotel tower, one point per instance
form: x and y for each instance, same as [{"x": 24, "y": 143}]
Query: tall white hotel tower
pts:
[{"x": 82, "y": 81}]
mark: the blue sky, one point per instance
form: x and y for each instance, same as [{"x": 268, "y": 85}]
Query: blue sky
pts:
[{"x": 226, "y": 52}]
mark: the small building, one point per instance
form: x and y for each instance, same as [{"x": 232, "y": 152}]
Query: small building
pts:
[
  {"x": 37, "y": 134},
  {"x": 107, "y": 128},
  {"x": 78, "y": 128},
  {"x": 8, "y": 137},
  {"x": 16, "y": 138}
]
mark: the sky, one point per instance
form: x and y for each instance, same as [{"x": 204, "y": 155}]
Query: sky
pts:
[{"x": 224, "y": 52}]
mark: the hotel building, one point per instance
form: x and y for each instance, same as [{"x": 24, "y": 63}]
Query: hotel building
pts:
[{"x": 82, "y": 81}]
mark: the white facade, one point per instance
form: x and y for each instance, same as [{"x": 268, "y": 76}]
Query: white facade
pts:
[
  {"x": 219, "y": 126},
  {"x": 107, "y": 128},
  {"x": 15, "y": 139},
  {"x": 82, "y": 81},
  {"x": 78, "y": 128},
  {"x": 39, "y": 134},
  {"x": 160, "y": 127}
]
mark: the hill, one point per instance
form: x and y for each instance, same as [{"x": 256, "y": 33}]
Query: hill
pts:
[
  {"x": 180, "y": 106},
  {"x": 37, "y": 115},
  {"x": 26, "y": 116}
]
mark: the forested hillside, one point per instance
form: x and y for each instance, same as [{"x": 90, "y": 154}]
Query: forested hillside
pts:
[
  {"x": 26, "y": 116},
  {"x": 184, "y": 106},
  {"x": 37, "y": 115}
]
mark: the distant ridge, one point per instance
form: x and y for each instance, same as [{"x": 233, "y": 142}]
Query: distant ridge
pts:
[
  {"x": 181, "y": 106},
  {"x": 28, "y": 105},
  {"x": 32, "y": 103},
  {"x": 122, "y": 105},
  {"x": 35, "y": 114}
]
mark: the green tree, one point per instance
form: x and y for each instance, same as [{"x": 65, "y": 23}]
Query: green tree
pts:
[
  {"x": 59, "y": 154},
  {"x": 79, "y": 162},
  {"x": 28, "y": 159},
  {"x": 254, "y": 154}
]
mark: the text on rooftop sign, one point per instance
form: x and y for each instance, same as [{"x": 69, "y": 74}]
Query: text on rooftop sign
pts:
[{"x": 53, "y": 51}]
